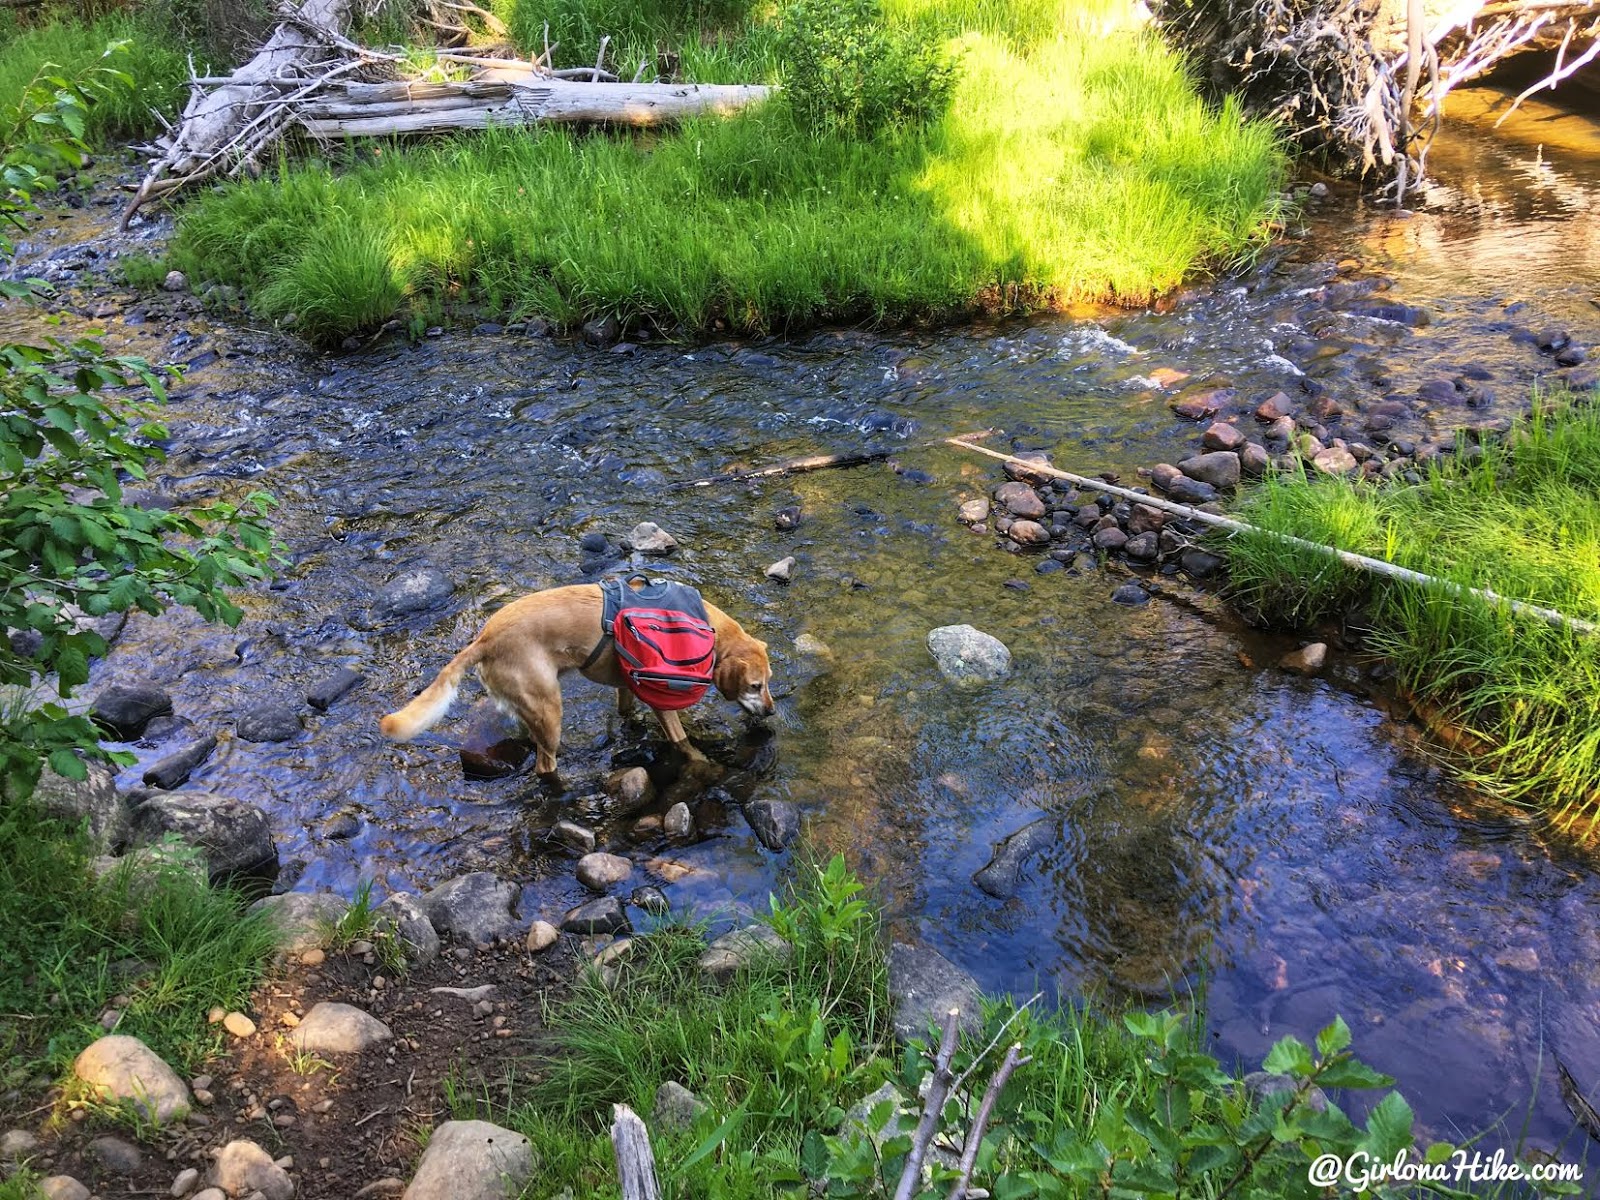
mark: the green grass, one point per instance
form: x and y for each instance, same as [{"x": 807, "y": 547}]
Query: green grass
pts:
[
  {"x": 1522, "y": 520},
  {"x": 155, "y": 58},
  {"x": 784, "y": 1049},
  {"x": 69, "y": 945},
  {"x": 1072, "y": 165}
]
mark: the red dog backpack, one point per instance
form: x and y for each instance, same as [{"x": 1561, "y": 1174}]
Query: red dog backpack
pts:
[{"x": 666, "y": 647}]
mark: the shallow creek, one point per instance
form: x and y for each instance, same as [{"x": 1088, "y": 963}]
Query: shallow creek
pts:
[{"x": 1207, "y": 816}]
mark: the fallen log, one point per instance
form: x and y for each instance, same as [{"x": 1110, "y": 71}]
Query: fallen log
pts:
[
  {"x": 798, "y": 466},
  {"x": 1360, "y": 562},
  {"x": 215, "y": 123},
  {"x": 542, "y": 100}
]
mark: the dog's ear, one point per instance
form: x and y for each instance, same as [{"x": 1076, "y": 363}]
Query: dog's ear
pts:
[{"x": 729, "y": 673}]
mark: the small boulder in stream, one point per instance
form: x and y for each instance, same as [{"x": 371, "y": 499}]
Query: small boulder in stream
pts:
[
  {"x": 232, "y": 836},
  {"x": 325, "y": 692},
  {"x": 776, "y": 822},
  {"x": 649, "y": 538},
  {"x": 968, "y": 657},
  {"x": 173, "y": 769},
  {"x": 269, "y": 721},
  {"x": 1002, "y": 875},
  {"x": 125, "y": 709},
  {"x": 414, "y": 592}
]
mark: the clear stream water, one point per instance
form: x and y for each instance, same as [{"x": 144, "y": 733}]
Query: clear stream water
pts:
[{"x": 1208, "y": 816}]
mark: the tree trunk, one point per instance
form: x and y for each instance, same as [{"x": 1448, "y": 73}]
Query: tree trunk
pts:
[{"x": 545, "y": 101}]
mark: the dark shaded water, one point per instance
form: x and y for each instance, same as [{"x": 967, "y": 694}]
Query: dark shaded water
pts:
[{"x": 1284, "y": 831}]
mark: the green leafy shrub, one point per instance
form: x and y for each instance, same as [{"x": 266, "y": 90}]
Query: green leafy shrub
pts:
[
  {"x": 73, "y": 430},
  {"x": 846, "y": 70}
]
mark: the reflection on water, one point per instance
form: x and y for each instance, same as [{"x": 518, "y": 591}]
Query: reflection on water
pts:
[{"x": 1184, "y": 811}]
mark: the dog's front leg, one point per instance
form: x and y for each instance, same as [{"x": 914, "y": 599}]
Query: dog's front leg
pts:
[
  {"x": 627, "y": 703},
  {"x": 673, "y": 728}
]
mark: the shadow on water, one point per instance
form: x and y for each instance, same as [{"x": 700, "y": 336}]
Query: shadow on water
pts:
[{"x": 1172, "y": 809}]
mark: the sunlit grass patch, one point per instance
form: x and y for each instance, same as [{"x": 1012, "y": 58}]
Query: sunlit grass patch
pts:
[
  {"x": 1521, "y": 519},
  {"x": 1070, "y": 166}
]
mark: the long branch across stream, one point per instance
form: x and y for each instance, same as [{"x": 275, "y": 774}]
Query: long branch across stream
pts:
[{"x": 1189, "y": 808}]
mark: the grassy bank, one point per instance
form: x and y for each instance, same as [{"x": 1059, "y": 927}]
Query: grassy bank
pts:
[
  {"x": 1108, "y": 1103},
  {"x": 155, "y": 58},
  {"x": 1071, "y": 164},
  {"x": 71, "y": 944},
  {"x": 1520, "y": 518}
]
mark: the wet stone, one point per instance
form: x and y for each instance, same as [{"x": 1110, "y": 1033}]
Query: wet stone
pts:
[
  {"x": 1029, "y": 534},
  {"x": 574, "y": 836},
  {"x": 788, "y": 518},
  {"x": 413, "y": 592},
  {"x": 651, "y": 900},
  {"x": 1143, "y": 548},
  {"x": 1200, "y": 564},
  {"x": 325, "y": 692},
  {"x": 598, "y": 916},
  {"x": 1110, "y": 539},
  {"x": 173, "y": 769},
  {"x": 776, "y": 822},
  {"x": 1019, "y": 500},
  {"x": 678, "y": 823},
  {"x": 1308, "y": 660},
  {"x": 1219, "y": 468},
  {"x": 125, "y": 709},
  {"x": 1222, "y": 436},
  {"x": 601, "y": 871},
  {"x": 1131, "y": 595},
  {"x": 974, "y": 511},
  {"x": 649, "y": 538},
  {"x": 233, "y": 837},
  {"x": 272, "y": 721}
]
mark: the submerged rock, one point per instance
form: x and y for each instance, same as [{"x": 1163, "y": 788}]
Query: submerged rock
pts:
[
  {"x": 597, "y": 917},
  {"x": 414, "y": 592},
  {"x": 269, "y": 721},
  {"x": 600, "y": 871},
  {"x": 1003, "y": 872},
  {"x": 325, "y": 692},
  {"x": 1308, "y": 660},
  {"x": 968, "y": 657}
]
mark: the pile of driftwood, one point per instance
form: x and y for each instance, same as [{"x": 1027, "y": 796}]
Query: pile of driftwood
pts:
[
  {"x": 311, "y": 78},
  {"x": 1363, "y": 82}
]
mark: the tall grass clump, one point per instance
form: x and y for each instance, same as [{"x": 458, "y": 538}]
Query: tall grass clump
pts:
[
  {"x": 1520, "y": 518},
  {"x": 1017, "y": 155},
  {"x": 151, "y": 930},
  {"x": 154, "y": 58}
]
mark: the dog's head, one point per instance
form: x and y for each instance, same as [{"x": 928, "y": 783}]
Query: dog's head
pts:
[{"x": 743, "y": 673}]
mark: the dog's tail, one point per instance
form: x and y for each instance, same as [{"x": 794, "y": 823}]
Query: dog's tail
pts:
[{"x": 433, "y": 701}]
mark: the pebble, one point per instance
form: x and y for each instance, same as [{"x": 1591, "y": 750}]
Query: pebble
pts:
[
  {"x": 574, "y": 836},
  {"x": 782, "y": 570},
  {"x": 541, "y": 936},
  {"x": 239, "y": 1025},
  {"x": 115, "y": 1155},
  {"x": 1308, "y": 660},
  {"x": 184, "y": 1183},
  {"x": 1132, "y": 595}
]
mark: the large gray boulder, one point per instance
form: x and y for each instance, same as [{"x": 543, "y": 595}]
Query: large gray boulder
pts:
[
  {"x": 969, "y": 657},
  {"x": 475, "y": 908},
  {"x": 303, "y": 919},
  {"x": 93, "y": 800},
  {"x": 124, "y": 1070},
  {"x": 472, "y": 1160},
  {"x": 924, "y": 986},
  {"x": 234, "y": 837}
]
